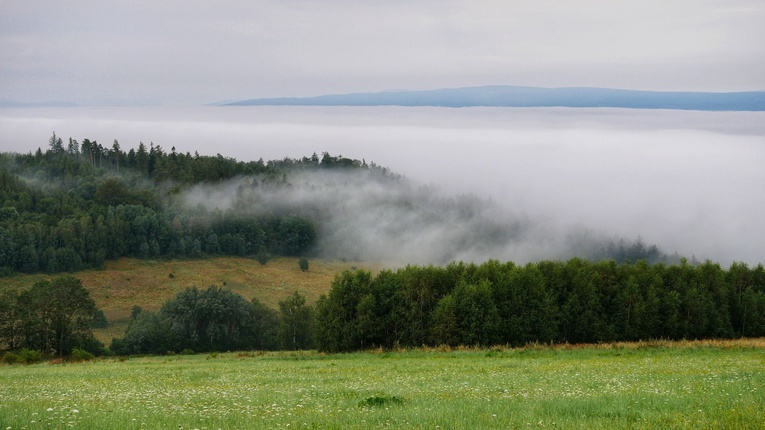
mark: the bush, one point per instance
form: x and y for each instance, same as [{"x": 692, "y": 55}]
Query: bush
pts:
[
  {"x": 381, "y": 401},
  {"x": 93, "y": 346},
  {"x": 29, "y": 356},
  {"x": 80, "y": 355},
  {"x": 262, "y": 258},
  {"x": 11, "y": 358},
  {"x": 99, "y": 320},
  {"x": 303, "y": 263}
]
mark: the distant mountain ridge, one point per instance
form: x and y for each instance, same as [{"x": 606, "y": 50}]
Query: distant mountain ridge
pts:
[
  {"x": 15, "y": 104},
  {"x": 515, "y": 96}
]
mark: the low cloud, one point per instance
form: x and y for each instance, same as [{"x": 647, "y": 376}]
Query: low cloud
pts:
[
  {"x": 370, "y": 215},
  {"x": 686, "y": 181}
]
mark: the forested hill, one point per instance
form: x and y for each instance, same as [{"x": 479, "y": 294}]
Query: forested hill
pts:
[
  {"x": 77, "y": 204},
  {"x": 514, "y": 96}
]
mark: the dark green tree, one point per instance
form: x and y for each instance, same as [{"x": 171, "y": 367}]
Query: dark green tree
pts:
[
  {"x": 296, "y": 235},
  {"x": 209, "y": 320},
  {"x": 265, "y": 326},
  {"x": 11, "y": 334},
  {"x": 99, "y": 320},
  {"x": 340, "y": 327},
  {"x": 478, "y": 321},
  {"x": 529, "y": 312},
  {"x": 296, "y": 323},
  {"x": 58, "y": 316},
  {"x": 148, "y": 333},
  {"x": 445, "y": 327}
]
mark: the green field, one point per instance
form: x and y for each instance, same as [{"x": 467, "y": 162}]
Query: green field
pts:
[{"x": 659, "y": 385}]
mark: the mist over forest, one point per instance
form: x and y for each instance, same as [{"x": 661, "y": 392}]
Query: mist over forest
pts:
[
  {"x": 371, "y": 214},
  {"x": 540, "y": 183}
]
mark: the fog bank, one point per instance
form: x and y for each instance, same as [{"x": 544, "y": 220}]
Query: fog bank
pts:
[{"x": 686, "y": 181}]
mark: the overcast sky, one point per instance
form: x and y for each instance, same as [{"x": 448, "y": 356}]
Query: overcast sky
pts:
[{"x": 179, "y": 52}]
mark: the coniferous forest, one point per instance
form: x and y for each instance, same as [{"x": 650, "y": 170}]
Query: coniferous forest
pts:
[{"x": 79, "y": 204}]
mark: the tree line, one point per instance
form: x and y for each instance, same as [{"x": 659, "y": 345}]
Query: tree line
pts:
[
  {"x": 575, "y": 301},
  {"x": 214, "y": 319},
  {"x": 493, "y": 303},
  {"x": 56, "y": 317}
]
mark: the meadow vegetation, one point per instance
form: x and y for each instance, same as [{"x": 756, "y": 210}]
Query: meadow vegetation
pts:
[{"x": 711, "y": 384}]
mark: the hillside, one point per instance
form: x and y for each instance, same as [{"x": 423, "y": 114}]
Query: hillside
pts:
[
  {"x": 78, "y": 206},
  {"x": 515, "y": 96},
  {"x": 128, "y": 282}
]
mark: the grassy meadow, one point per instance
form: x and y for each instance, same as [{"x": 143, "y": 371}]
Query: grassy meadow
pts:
[
  {"x": 643, "y": 385},
  {"x": 127, "y": 282}
]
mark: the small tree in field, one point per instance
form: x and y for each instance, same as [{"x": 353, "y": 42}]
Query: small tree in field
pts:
[
  {"x": 303, "y": 263},
  {"x": 58, "y": 315}
]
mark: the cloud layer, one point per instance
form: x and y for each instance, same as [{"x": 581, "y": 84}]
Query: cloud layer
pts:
[{"x": 686, "y": 181}]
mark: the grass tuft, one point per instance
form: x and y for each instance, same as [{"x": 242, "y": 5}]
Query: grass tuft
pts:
[{"x": 380, "y": 401}]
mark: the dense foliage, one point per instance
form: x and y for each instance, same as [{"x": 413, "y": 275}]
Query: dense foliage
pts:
[
  {"x": 215, "y": 319},
  {"x": 551, "y": 301},
  {"x": 75, "y": 206},
  {"x": 52, "y": 317}
]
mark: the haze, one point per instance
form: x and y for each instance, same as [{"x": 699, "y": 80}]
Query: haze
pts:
[
  {"x": 686, "y": 181},
  {"x": 175, "y": 52}
]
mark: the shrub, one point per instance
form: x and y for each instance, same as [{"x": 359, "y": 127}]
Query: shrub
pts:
[
  {"x": 303, "y": 263},
  {"x": 262, "y": 257},
  {"x": 80, "y": 355},
  {"x": 381, "y": 401},
  {"x": 11, "y": 358},
  {"x": 29, "y": 356},
  {"x": 99, "y": 320}
]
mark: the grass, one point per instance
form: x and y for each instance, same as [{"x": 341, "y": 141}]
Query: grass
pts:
[
  {"x": 125, "y": 283},
  {"x": 646, "y": 385}
]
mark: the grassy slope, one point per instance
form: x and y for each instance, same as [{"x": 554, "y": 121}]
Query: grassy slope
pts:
[{"x": 128, "y": 282}]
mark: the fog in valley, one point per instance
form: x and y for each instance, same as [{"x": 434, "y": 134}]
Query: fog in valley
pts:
[{"x": 477, "y": 183}]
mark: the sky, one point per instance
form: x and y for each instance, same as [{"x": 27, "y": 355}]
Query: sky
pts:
[{"x": 173, "y": 52}]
